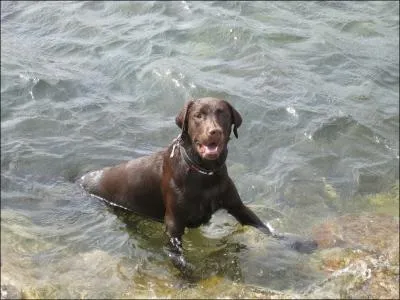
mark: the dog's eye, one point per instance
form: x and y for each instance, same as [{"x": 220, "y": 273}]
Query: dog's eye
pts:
[
  {"x": 198, "y": 115},
  {"x": 220, "y": 112}
]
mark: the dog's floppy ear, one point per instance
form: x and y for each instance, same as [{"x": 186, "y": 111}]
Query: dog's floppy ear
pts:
[
  {"x": 236, "y": 119},
  {"x": 181, "y": 118}
]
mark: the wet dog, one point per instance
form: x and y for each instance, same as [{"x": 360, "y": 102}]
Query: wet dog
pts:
[{"x": 184, "y": 184}]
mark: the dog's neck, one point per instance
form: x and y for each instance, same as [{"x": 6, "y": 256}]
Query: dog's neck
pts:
[{"x": 194, "y": 160}]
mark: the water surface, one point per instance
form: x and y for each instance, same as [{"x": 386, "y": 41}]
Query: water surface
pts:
[{"x": 90, "y": 84}]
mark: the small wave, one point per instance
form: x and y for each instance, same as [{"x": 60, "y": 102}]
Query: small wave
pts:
[
  {"x": 331, "y": 129},
  {"x": 291, "y": 110},
  {"x": 334, "y": 127}
]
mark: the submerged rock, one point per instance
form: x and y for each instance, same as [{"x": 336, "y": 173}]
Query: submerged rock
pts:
[
  {"x": 9, "y": 291},
  {"x": 361, "y": 257},
  {"x": 357, "y": 257},
  {"x": 370, "y": 232},
  {"x": 212, "y": 287}
]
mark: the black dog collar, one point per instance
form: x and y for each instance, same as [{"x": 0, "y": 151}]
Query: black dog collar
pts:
[{"x": 192, "y": 165}]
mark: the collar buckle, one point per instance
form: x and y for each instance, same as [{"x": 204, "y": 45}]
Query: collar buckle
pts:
[{"x": 175, "y": 143}]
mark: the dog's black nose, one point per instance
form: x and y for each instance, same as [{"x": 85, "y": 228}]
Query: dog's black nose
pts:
[{"x": 214, "y": 131}]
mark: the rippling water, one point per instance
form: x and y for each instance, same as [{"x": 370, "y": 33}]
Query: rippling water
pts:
[{"x": 89, "y": 84}]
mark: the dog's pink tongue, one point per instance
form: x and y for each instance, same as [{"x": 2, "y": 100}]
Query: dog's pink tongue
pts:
[{"x": 211, "y": 149}]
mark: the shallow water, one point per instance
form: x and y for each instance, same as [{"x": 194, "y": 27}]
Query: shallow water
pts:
[{"x": 90, "y": 84}]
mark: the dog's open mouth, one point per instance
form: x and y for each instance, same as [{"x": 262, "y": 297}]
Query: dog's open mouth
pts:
[{"x": 209, "y": 151}]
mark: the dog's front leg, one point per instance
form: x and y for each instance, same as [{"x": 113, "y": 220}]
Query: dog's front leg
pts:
[
  {"x": 174, "y": 249},
  {"x": 175, "y": 253},
  {"x": 245, "y": 216}
]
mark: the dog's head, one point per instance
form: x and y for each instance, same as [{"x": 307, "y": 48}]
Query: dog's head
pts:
[{"x": 208, "y": 123}]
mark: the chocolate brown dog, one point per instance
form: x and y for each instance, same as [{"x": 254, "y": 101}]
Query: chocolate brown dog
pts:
[{"x": 186, "y": 183}]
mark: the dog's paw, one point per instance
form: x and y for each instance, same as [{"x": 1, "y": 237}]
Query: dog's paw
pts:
[
  {"x": 298, "y": 243},
  {"x": 304, "y": 246}
]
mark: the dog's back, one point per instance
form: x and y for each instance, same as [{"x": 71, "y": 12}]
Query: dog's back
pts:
[{"x": 134, "y": 185}]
